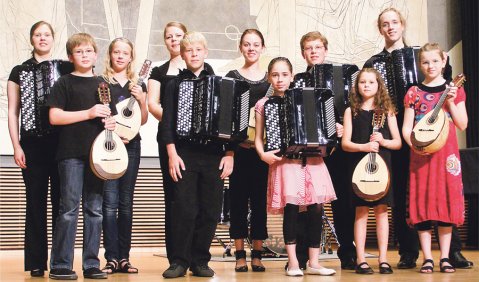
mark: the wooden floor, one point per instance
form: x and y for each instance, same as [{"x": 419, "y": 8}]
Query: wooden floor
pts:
[{"x": 151, "y": 268}]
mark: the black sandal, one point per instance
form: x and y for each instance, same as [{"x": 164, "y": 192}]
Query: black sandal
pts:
[
  {"x": 126, "y": 267},
  {"x": 364, "y": 270},
  {"x": 445, "y": 268},
  {"x": 425, "y": 268},
  {"x": 385, "y": 269},
  {"x": 241, "y": 254},
  {"x": 110, "y": 267},
  {"x": 256, "y": 254}
]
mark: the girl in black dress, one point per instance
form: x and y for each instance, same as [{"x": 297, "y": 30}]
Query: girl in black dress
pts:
[{"x": 369, "y": 97}]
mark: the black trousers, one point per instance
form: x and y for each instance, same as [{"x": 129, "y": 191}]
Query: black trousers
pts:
[
  {"x": 195, "y": 207},
  {"x": 311, "y": 237},
  {"x": 248, "y": 184},
  {"x": 41, "y": 168},
  {"x": 343, "y": 211},
  {"x": 168, "y": 186}
]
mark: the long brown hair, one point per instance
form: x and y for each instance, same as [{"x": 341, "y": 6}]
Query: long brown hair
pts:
[{"x": 382, "y": 100}]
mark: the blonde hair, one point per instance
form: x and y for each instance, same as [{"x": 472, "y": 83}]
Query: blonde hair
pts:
[
  {"x": 191, "y": 38},
  {"x": 78, "y": 39},
  {"x": 311, "y": 36},
  {"x": 382, "y": 100},
  {"x": 401, "y": 19},
  {"x": 432, "y": 47},
  {"x": 175, "y": 24},
  {"x": 108, "y": 72}
]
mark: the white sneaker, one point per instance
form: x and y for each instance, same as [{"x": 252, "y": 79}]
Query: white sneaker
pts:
[
  {"x": 294, "y": 272},
  {"x": 320, "y": 271}
]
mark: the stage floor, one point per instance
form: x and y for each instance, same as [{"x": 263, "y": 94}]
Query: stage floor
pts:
[{"x": 152, "y": 266}]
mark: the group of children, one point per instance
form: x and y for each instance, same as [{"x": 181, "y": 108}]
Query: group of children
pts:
[{"x": 198, "y": 170}]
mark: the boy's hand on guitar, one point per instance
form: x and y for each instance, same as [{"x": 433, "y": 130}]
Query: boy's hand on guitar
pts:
[
  {"x": 110, "y": 123},
  {"x": 377, "y": 137},
  {"x": 138, "y": 93},
  {"x": 270, "y": 157},
  {"x": 99, "y": 110},
  {"x": 176, "y": 165},
  {"x": 371, "y": 147},
  {"x": 339, "y": 130}
]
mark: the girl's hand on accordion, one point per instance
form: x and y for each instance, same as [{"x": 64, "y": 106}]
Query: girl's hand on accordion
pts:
[
  {"x": 270, "y": 157},
  {"x": 176, "y": 165},
  {"x": 339, "y": 130}
]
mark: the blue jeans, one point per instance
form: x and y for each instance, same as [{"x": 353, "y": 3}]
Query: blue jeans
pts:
[
  {"x": 118, "y": 207},
  {"x": 77, "y": 182}
]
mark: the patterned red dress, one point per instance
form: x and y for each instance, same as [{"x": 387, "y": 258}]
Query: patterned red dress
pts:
[{"x": 435, "y": 190}]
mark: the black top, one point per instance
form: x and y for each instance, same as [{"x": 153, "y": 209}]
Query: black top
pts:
[
  {"x": 76, "y": 93},
  {"x": 119, "y": 93},
  {"x": 15, "y": 73},
  {"x": 362, "y": 129},
  {"x": 257, "y": 90}
]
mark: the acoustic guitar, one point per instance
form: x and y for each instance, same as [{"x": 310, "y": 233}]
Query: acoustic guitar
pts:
[
  {"x": 430, "y": 133},
  {"x": 371, "y": 176},
  {"x": 128, "y": 119},
  {"x": 108, "y": 155}
]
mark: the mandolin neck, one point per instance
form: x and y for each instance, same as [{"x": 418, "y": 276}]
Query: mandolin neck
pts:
[{"x": 439, "y": 105}]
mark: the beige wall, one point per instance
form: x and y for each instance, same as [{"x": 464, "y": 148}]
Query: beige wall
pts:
[{"x": 350, "y": 27}]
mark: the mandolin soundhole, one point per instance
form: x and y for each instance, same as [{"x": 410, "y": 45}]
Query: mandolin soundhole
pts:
[
  {"x": 127, "y": 112},
  {"x": 371, "y": 167},
  {"x": 110, "y": 146}
]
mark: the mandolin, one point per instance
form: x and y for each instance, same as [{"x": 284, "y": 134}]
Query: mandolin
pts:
[
  {"x": 128, "y": 119},
  {"x": 108, "y": 155},
  {"x": 371, "y": 175},
  {"x": 430, "y": 133}
]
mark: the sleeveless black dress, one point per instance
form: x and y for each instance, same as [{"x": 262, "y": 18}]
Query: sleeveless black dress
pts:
[{"x": 362, "y": 129}]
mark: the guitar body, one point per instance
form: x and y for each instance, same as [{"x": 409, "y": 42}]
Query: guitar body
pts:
[
  {"x": 429, "y": 137},
  {"x": 128, "y": 122},
  {"x": 108, "y": 156},
  {"x": 371, "y": 179}
]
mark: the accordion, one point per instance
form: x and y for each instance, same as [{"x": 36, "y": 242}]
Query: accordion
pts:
[
  {"x": 213, "y": 107},
  {"x": 302, "y": 123},
  {"x": 399, "y": 71},
  {"x": 339, "y": 78},
  {"x": 36, "y": 82}
]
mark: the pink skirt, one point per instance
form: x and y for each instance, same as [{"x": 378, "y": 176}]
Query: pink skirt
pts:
[{"x": 289, "y": 182}]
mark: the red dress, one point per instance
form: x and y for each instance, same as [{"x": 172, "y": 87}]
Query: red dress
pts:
[{"x": 435, "y": 190}]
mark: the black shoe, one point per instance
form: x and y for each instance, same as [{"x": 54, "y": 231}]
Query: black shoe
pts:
[
  {"x": 364, "y": 270},
  {"x": 256, "y": 254},
  {"x": 459, "y": 261},
  {"x": 241, "y": 254},
  {"x": 37, "y": 273},
  {"x": 62, "y": 274},
  {"x": 407, "y": 261},
  {"x": 202, "y": 271},
  {"x": 385, "y": 268},
  {"x": 174, "y": 271},
  {"x": 94, "y": 273},
  {"x": 348, "y": 263}
]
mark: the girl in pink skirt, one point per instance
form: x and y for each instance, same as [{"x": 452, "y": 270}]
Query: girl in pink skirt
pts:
[{"x": 294, "y": 183}]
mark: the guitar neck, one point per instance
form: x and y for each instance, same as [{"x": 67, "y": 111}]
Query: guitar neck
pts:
[{"x": 439, "y": 104}]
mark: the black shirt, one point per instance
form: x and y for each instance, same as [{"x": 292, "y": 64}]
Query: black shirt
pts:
[
  {"x": 15, "y": 73},
  {"x": 76, "y": 93},
  {"x": 257, "y": 90}
]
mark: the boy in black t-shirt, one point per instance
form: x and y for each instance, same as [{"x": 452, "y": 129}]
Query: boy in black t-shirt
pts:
[
  {"x": 74, "y": 108},
  {"x": 198, "y": 171}
]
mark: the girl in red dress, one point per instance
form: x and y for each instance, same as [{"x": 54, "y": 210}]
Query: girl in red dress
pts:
[{"x": 436, "y": 191}]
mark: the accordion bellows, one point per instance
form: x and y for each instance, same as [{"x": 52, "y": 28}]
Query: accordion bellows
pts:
[
  {"x": 302, "y": 123},
  {"x": 399, "y": 71},
  {"x": 213, "y": 108},
  {"x": 36, "y": 82}
]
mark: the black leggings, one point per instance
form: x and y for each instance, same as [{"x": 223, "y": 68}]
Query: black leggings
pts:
[
  {"x": 313, "y": 228},
  {"x": 428, "y": 225}
]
